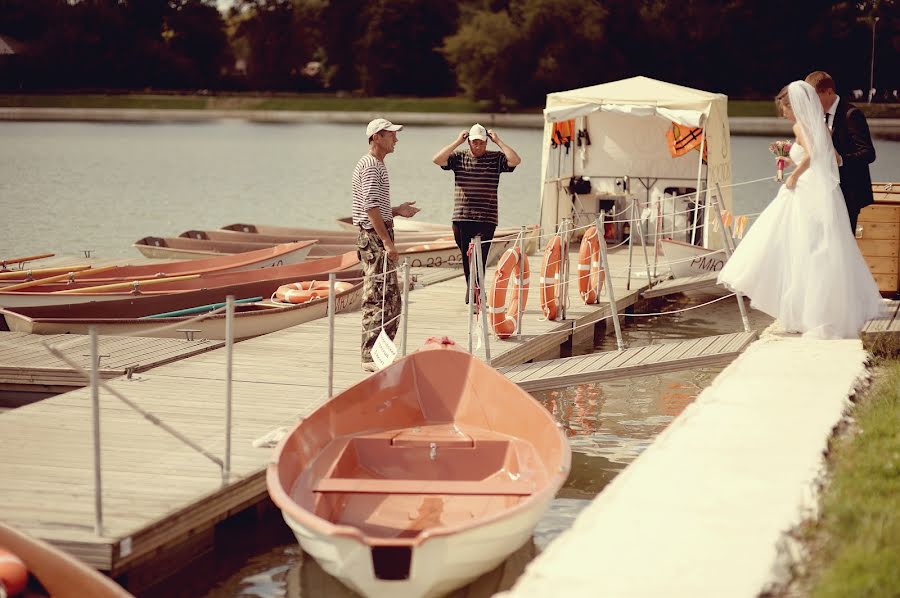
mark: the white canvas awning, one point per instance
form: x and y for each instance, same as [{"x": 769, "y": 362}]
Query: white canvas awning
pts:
[{"x": 690, "y": 118}]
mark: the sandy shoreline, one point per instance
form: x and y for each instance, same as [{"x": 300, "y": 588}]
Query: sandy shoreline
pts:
[{"x": 882, "y": 128}]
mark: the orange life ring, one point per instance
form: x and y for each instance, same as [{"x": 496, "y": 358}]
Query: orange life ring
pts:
[
  {"x": 550, "y": 278},
  {"x": 303, "y": 292},
  {"x": 590, "y": 274},
  {"x": 13, "y": 573},
  {"x": 505, "y": 319}
]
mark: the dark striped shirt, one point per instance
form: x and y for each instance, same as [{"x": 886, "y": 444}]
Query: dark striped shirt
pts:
[
  {"x": 475, "y": 188},
  {"x": 371, "y": 189}
]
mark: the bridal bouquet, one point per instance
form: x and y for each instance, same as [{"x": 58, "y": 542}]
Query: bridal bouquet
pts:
[{"x": 781, "y": 150}]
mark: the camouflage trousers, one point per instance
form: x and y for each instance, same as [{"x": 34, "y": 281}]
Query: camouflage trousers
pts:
[{"x": 377, "y": 291}]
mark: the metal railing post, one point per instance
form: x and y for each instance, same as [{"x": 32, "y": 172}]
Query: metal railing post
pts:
[
  {"x": 405, "y": 306},
  {"x": 482, "y": 298},
  {"x": 728, "y": 242},
  {"x": 520, "y": 309},
  {"x": 229, "y": 367},
  {"x": 563, "y": 299},
  {"x": 630, "y": 246},
  {"x": 471, "y": 289},
  {"x": 643, "y": 244},
  {"x": 610, "y": 292},
  {"x": 95, "y": 419},
  {"x": 331, "y": 288}
]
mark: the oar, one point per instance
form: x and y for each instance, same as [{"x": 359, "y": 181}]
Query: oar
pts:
[
  {"x": 42, "y": 281},
  {"x": 119, "y": 286},
  {"x": 196, "y": 310},
  {"x": 23, "y": 274},
  {"x": 22, "y": 260}
]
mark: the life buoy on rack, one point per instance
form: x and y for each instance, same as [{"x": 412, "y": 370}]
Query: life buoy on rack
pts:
[
  {"x": 505, "y": 319},
  {"x": 550, "y": 278},
  {"x": 590, "y": 274},
  {"x": 303, "y": 292}
]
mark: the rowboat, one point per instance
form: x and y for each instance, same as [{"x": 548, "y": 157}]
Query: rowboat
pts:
[
  {"x": 279, "y": 255},
  {"x": 324, "y": 235},
  {"x": 250, "y": 319},
  {"x": 251, "y": 283},
  {"x": 404, "y": 226},
  {"x": 421, "y": 477},
  {"x": 691, "y": 260},
  {"x": 181, "y": 248},
  {"x": 58, "y": 574}
]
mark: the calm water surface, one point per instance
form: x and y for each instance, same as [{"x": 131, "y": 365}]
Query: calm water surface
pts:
[{"x": 65, "y": 187}]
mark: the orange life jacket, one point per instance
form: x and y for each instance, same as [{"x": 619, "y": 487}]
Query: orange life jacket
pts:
[
  {"x": 683, "y": 139},
  {"x": 563, "y": 133}
]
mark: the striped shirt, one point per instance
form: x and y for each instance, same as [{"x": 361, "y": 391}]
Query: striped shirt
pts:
[
  {"x": 475, "y": 189},
  {"x": 371, "y": 189}
]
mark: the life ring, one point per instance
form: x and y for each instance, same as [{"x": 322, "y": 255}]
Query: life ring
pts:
[
  {"x": 590, "y": 274},
  {"x": 505, "y": 319},
  {"x": 13, "y": 573},
  {"x": 550, "y": 278},
  {"x": 303, "y": 292}
]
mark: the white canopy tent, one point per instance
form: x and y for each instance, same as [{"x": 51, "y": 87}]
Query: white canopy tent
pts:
[{"x": 627, "y": 122}]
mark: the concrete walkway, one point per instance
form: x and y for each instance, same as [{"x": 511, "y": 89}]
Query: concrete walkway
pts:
[{"x": 704, "y": 510}]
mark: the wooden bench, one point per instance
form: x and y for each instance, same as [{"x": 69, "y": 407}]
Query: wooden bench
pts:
[{"x": 452, "y": 487}]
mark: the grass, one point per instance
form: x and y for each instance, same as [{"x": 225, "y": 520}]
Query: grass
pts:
[
  {"x": 855, "y": 545},
  {"x": 331, "y": 102}
]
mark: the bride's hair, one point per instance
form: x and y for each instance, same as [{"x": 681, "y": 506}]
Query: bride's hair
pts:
[{"x": 781, "y": 100}]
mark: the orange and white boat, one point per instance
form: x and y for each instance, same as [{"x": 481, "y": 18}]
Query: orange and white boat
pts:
[
  {"x": 25, "y": 560},
  {"x": 421, "y": 477}
]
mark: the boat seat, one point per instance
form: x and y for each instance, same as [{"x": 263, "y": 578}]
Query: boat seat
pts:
[{"x": 458, "y": 487}]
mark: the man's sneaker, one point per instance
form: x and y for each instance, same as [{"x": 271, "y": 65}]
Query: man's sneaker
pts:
[{"x": 369, "y": 366}]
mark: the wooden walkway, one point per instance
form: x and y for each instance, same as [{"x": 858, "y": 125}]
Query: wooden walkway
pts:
[
  {"x": 889, "y": 323},
  {"x": 638, "y": 361},
  {"x": 157, "y": 492},
  {"x": 27, "y": 366}
]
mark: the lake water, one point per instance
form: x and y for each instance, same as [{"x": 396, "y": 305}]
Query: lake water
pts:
[{"x": 65, "y": 187}]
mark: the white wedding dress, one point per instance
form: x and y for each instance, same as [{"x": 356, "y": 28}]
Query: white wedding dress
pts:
[{"x": 800, "y": 264}]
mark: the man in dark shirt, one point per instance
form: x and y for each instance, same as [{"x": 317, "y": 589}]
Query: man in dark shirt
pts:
[{"x": 477, "y": 175}]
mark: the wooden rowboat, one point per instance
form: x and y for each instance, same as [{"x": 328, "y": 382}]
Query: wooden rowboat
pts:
[
  {"x": 181, "y": 248},
  {"x": 426, "y": 255},
  {"x": 324, "y": 235},
  {"x": 402, "y": 224},
  {"x": 252, "y": 283},
  {"x": 421, "y": 477},
  {"x": 250, "y": 319},
  {"x": 58, "y": 574}
]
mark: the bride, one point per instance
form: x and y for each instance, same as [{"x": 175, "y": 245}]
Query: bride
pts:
[{"x": 799, "y": 262}]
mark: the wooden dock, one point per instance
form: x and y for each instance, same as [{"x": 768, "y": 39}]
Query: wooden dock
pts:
[
  {"x": 161, "y": 497},
  {"x": 638, "y": 361},
  {"x": 889, "y": 323}
]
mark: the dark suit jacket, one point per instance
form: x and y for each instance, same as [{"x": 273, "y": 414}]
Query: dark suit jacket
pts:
[{"x": 850, "y": 134}]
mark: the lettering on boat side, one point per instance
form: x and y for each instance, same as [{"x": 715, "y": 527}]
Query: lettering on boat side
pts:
[
  {"x": 273, "y": 264},
  {"x": 707, "y": 264},
  {"x": 437, "y": 262}
]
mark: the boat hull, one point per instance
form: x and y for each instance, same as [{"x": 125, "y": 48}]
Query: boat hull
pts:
[{"x": 687, "y": 260}]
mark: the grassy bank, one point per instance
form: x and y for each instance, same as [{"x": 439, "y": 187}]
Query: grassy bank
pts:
[
  {"x": 330, "y": 102},
  {"x": 855, "y": 545}
]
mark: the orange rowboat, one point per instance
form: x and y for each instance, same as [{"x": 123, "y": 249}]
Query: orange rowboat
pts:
[{"x": 421, "y": 477}]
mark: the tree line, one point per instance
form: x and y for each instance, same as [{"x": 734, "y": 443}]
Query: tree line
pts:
[{"x": 508, "y": 52}]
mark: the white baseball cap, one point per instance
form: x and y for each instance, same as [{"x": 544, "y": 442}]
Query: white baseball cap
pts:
[
  {"x": 477, "y": 132},
  {"x": 380, "y": 124}
]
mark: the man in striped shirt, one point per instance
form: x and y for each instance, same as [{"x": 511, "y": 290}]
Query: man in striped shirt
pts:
[
  {"x": 373, "y": 214},
  {"x": 477, "y": 175}
]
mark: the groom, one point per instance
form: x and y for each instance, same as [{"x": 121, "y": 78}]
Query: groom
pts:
[{"x": 850, "y": 134}]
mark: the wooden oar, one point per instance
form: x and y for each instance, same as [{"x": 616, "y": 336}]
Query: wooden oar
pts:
[
  {"x": 23, "y": 274},
  {"x": 196, "y": 310},
  {"x": 22, "y": 260},
  {"x": 120, "y": 286},
  {"x": 50, "y": 279}
]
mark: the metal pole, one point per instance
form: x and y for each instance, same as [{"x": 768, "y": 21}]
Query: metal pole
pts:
[
  {"x": 471, "y": 289},
  {"x": 659, "y": 224},
  {"x": 644, "y": 246},
  {"x": 563, "y": 298},
  {"x": 95, "y": 418},
  {"x": 729, "y": 244},
  {"x": 699, "y": 174},
  {"x": 229, "y": 364},
  {"x": 405, "y": 306},
  {"x": 604, "y": 263},
  {"x": 482, "y": 297},
  {"x": 520, "y": 309},
  {"x": 630, "y": 247},
  {"x": 331, "y": 288},
  {"x": 872, "y": 67}
]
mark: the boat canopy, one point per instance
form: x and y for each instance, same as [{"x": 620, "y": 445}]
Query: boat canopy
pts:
[{"x": 627, "y": 122}]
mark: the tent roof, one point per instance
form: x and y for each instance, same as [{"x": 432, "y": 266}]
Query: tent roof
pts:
[{"x": 636, "y": 90}]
